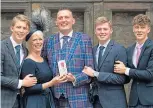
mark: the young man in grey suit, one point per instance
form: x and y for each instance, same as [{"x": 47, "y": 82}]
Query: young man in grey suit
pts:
[
  {"x": 140, "y": 65},
  {"x": 12, "y": 55},
  {"x": 108, "y": 87}
]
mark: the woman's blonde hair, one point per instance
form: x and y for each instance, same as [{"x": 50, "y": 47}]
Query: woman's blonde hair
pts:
[{"x": 28, "y": 43}]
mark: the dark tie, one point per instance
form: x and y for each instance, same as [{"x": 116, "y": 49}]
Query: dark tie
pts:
[
  {"x": 65, "y": 41},
  {"x": 100, "y": 55},
  {"x": 17, "y": 48}
]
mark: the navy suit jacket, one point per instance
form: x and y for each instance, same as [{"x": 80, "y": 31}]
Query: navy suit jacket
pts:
[
  {"x": 142, "y": 86},
  {"x": 111, "y": 85}
]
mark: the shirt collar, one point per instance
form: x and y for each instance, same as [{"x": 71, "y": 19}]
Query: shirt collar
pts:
[
  {"x": 70, "y": 34},
  {"x": 138, "y": 45},
  {"x": 14, "y": 43},
  {"x": 105, "y": 45}
]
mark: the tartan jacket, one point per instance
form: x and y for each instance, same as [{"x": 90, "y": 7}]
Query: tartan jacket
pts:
[{"x": 78, "y": 54}]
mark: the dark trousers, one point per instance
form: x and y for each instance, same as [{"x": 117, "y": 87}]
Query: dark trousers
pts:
[
  {"x": 17, "y": 102},
  {"x": 97, "y": 103},
  {"x": 62, "y": 102},
  {"x": 142, "y": 106},
  {"x": 139, "y": 105}
]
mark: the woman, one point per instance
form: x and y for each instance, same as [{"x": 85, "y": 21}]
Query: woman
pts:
[{"x": 39, "y": 95}]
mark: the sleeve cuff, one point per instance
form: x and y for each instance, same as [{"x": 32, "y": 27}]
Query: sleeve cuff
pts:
[
  {"x": 20, "y": 84},
  {"x": 127, "y": 71},
  {"x": 96, "y": 74},
  {"x": 74, "y": 82}
]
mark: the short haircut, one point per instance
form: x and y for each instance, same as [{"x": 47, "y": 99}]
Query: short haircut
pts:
[
  {"x": 142, "y": 20},
  {"x": 63, "y": 8},
  {"x": 102, "y": 20},
  {"x": 20, "y": 17},
  {"x": 38, "y": 32}
]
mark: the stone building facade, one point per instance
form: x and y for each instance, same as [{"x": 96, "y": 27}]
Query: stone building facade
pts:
[{"x": 121, "y": 12}]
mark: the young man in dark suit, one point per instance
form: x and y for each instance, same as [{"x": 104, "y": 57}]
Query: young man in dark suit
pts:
[
  {"x": 107, "y": 86},
  {"x": 140, "y": 64},
  {"x": 12, "y": 55}
]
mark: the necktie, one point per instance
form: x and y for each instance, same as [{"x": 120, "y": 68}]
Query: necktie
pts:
[
  {"x": 17, "y": 48},
  {"x": 65, "y": 41},
  {"x": 100, "y": 55},
  {"x": 138, "y": 53}
]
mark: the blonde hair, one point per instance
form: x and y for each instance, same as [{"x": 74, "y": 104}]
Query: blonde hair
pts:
[
  {"x": 38, "y": 32},
  {"x": 141, "y": 19},
  {"x": 20, "y": 17},
  {"x": 102, "y": 20}
]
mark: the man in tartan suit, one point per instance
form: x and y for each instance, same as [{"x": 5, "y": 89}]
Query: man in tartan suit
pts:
[{"x": 77, "y": 53}]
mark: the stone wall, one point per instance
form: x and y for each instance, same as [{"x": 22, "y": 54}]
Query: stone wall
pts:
[{"x": 121, "y": 12}]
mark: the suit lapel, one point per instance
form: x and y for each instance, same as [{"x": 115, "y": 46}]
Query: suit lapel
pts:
[
  {"x": 95, "y": 59},
  {"x": 143, "y": 49},
  {"x": 131, "y": 52},
  {"x": 76, "y": 38},
  {"x": 11, "y": 51},
  {"x": 108, "y": 48},
  {"x": 57, "y": 48},
  {"x": 71, "y": 47},
  {"x": 25, "y": 51}
]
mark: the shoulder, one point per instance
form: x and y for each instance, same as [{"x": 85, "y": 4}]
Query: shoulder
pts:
[
  {"x": 118, "y": 46},
  {"x": 28, "y": 66},
  {"x": 50, "y": 37},
  {"x": 29, "y": 62},
  {"x": 150, "y": 43},
  {"x": 83, "y": 35},
  {"x": 4, "y": 44},
  {"x": 5, "y": 41},
  {"x": 48, "y": 41}
]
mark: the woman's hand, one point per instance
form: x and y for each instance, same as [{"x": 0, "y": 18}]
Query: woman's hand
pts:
[
  {"x": 56, "y": 80},
  {"x": 59, "y": 79}
]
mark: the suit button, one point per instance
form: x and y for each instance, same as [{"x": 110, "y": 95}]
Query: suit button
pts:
[{"x": 137, "y": 82}]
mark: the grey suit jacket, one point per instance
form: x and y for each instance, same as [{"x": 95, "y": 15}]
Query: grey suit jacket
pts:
[
  {"x": 111, "y": 85},
  {"x": 10, "y": 73},
  {"x": 142, "y": 86}
]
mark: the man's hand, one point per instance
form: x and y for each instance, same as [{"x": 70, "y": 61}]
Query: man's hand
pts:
[
  {"x": 70, "y": 77},
  {"x": 89, "y": 71},
  {"x": 29, "y": 81},
  {"x": 119, "y": 67}
]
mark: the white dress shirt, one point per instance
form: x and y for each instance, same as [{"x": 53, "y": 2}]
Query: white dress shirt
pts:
[
  {"x": 21, "y": 56},
  {"x": 96, "y": 74},
  {"x": 61, "y": 37},
  {"x": 133, "y": 59},
  {"x": 97, "y": 52}
]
